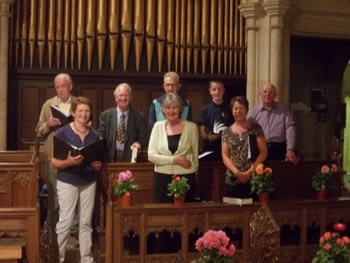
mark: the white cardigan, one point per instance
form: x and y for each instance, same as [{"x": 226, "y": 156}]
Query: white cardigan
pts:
[{"x": 161, "y": 156}]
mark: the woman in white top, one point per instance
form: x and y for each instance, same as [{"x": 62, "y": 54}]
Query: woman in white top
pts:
[{"x": 173, "y": 148}]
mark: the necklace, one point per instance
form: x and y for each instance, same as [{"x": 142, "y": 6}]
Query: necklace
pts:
[{"x": 79, "y": 130}]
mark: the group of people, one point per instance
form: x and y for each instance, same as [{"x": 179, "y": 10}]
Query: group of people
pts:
[{"x": 172, "y": 143}]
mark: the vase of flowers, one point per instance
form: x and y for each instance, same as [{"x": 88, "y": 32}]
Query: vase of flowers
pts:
[
  {"x": 262, "y": 183},
  {"x": 178, "y": 188},
  {"x": 323, "y": 180},
  {"x": 124, "y": 185},
  {"x": 334, "y": 246},
  {"x": 215, "y": 246}
]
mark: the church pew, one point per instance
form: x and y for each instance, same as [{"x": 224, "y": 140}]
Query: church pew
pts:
[
  {"x": 19, "y": 209},
  {"x": 302, "y": 222}
]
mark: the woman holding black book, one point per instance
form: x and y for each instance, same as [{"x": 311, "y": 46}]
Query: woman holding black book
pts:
[
  {"x": 76, "y": 180},
  {"x": 243, "y": 148}
]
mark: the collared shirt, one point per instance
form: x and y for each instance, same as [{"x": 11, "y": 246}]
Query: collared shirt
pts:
[
  {"x": 65, "y": 106},
  {"x": 120, "y": 146},
  {"x": 278, "y": 124}
]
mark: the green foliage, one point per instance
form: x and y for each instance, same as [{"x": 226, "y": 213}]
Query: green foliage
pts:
[
  {"x": 125, "y": 187},
  {"x": 323, "y": 180},
  {"x": 178, "y": 186},
  {"x": 262, "y": 183}
]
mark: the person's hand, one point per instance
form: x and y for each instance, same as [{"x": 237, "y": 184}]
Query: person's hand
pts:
[
  {"x": 74, "y": 160},
  {"x": 53, "y": 122},
  {"x": 213, "y": 137},
  {"x": 182, "y": 161},
  {"x": 137, "y": 145},
  {"x": 291, "y": 157},
  {"x": 243, "y": 177},
  {"x": 96, "y": 165}
]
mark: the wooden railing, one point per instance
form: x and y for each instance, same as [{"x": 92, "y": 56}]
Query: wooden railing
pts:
[{"x": 131, "y": 232}]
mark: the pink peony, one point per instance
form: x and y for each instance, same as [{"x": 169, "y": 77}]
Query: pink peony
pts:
[
  {"x": 339, "y": 227},
  {"x": 327, "y": 246},
  {"x": 125, "y": 176},
  {"x": 340, "y": 241},
  {"x": 325, "y": 169},
  {"x": 327, "y": 236},
  {"x": 334, "y": 168}
]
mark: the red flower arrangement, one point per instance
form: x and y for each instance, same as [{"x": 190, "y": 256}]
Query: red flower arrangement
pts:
[{"x": 334, "y": 247}]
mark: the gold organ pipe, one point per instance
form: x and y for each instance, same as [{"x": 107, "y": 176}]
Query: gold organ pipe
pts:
[
  {"x": 66, "y": 31},
  {"x": 236, "y": 35},
  {"x": 32, "y": 30},
  {"x": 220, "y": 43},
  {"x": 231, "y": 36},
  {"x": 226, "y": 35},
  {"x": 182, "y": 34},
  {"x": 177, "y": 32},
  {"x": 139, "y": 29},
  {"x": 189, "y": 35},
  {"x": 51, "y": 31},
  {"x": 213, "y": 34},
  {"x": 241, "y": 44},
  {"x": 150, "y": 32},
  {"x": 80, "y": 30},
  {"x": 161, "y": 21},
  {"x": 24, "y": 31},
  {"x": 101, "y": 30},
  {"x": 73, "y": 36},
  {"x": 41, "y": 30},
  {"x": 197, "y": 34},
  {"x": 170, "y": 32},
  {"x": 126, "y": 14},
  {"x": 205, "y": 33},
  {"x": 90, "y": 30},
  {"x": 113, "y": 25},
  {"x": 59, "y": 31}
]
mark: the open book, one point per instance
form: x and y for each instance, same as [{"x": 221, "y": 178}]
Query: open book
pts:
[
  {"x": 218, "y": 127},
  {"x": 237, "y": 201},
  {"x": 61, "y": 115},
  {"x": 91, "y": 152}
]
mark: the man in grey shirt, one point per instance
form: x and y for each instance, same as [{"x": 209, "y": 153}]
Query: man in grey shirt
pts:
[{"x": 277, "y": 123}]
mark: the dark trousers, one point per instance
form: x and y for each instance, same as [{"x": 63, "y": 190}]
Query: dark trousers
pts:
[{"x": 276, "y": 151}]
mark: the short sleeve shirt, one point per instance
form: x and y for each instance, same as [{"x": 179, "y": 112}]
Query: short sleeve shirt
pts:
[{"x": 238, "y": 145}]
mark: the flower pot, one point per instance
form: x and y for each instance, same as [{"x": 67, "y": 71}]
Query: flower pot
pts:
[
  {"x": 179, "y": 201},
  {"x": 263, "y": 198},
  {"x": 125, "y": 200},
  {"x": 321, "y": 195}
]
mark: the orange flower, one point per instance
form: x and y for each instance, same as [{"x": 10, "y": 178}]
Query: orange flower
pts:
[
  {"x": 346, "y": 240},
  {"x": 260, "y": 165},
  {"x": 327, "y": 235},
  {"x": 259, "y": 170},
  {"x": 268, "y": 170}
]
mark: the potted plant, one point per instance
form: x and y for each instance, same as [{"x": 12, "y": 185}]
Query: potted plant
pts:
[
  {"x": 215, "y": 246},
  {"x": 323, "y": 180},
  {"x": 334, "y": 247},
  {"x": 262, "y": 183},
  {"x": 123, "y": 186},
  {"x": 178, "y": 188}
]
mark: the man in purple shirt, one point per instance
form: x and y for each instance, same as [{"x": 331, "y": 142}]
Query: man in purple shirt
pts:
[{"x": 277, "y": 123}]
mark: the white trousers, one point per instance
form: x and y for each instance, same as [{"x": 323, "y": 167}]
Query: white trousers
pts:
[{"x": 69, "y": 197}]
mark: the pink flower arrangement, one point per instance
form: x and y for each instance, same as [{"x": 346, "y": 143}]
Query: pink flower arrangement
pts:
[
  {"x": 324, "y": 178},
  {"x": 123, "y": 183},
  {"x": 334, "y": 247},
  {"x": 215, "y": 247}
]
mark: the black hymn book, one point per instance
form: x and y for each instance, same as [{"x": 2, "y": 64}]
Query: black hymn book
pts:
[
  {"x": 91, "y": 152},
  {"x": 61, "y": 115}
]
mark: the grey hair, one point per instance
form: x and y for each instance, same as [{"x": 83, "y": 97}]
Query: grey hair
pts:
[
  {"x": 123, "y": 85},
  {"x": 65, "y": 76},
  {"x": 172, "y": 74},
  {"x": 171, "y": 98}
]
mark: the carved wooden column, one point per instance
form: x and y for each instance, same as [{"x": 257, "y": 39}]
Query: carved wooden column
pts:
[{"x": 4, "y": 29}]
